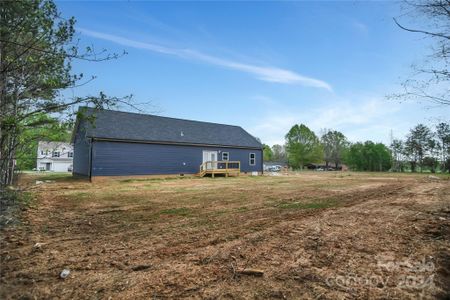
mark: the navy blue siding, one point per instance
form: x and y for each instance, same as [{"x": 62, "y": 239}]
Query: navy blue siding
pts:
[
  {"x": 121, "y": 158},
  {"x": 81, "y": 149}
]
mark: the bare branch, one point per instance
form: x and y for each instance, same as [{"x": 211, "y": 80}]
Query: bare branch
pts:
[
  {"x": 80, "y": 57},
  {"x": 441, "y": 35}
]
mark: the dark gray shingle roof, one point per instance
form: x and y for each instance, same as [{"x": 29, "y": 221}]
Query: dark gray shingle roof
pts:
[{"x": 110, "y": 124}]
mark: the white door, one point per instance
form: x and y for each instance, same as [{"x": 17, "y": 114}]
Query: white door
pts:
[{"x": 210, "y": 156}]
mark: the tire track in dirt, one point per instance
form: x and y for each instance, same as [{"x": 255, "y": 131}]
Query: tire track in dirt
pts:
[{"x": 298, "y": 249}]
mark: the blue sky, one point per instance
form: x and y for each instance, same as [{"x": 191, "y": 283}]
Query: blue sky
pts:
[{"x": 262, "y": 65}]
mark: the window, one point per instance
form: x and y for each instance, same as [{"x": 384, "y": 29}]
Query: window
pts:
[
  {"x": 55, "y": 154},
  {"x": 70, "y": 154},
  {"x": 42, "y": 152},
  {"x": 226, "y": 156},
  {"x": 252, "y": 159}
]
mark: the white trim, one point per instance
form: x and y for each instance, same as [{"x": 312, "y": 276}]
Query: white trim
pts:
[
  {"x": 228, "y": 156},
  {"x": 209, "y": 155},
  {"x": 250, "y": 159}
]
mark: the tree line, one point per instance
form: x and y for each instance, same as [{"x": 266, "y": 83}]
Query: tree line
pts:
[{"x": 422, "y": 149}]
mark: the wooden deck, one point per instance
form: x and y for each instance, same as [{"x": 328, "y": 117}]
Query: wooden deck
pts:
[{"x": 227, "y": 168}]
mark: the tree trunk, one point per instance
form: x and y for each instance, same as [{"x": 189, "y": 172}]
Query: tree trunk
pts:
[{"x": 3, "y": 161}]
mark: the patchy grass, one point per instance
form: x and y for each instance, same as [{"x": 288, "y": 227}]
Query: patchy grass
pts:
[
  {"x": 193, "y": 234},
  {"x": 182, "y": 211},
  {"x": 242, "y": 208},
  {"x": 300, "y": 205},
  {"x": 80, "y": 196},
  {"x": 56, "y": 176},
  {"x": 12, "y": 204},
  {"x": 26, "y": 199},
  {"x": 155, "y": 179}
]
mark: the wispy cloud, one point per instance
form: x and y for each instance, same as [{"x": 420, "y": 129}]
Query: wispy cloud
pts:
[
  {"x": 271, "y": 74},
  {"x": 362, "y": 119},
  {"x": 360, "y": 27}
]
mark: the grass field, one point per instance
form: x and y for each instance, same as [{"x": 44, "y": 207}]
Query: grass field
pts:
[{"x": 314, "y": 235}]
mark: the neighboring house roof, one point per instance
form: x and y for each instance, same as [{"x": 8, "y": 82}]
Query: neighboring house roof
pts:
[{"x": 117, "y": 125}]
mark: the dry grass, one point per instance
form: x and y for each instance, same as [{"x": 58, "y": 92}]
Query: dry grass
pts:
[{"x": 186, "y": 238}]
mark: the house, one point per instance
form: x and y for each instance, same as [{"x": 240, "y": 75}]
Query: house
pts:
[
  {"x": 54, "y": 156},
  {"x": 115, "y": 143}
]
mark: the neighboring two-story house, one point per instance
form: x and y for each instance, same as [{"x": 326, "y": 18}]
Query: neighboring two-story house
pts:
[{"x": 54, "y": 156}]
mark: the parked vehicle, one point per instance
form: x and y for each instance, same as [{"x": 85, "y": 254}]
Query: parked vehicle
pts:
[{"x": 275, "y": 168}]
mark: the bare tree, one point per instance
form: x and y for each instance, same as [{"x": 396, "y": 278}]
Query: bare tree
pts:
[
  {"x": 430, "y": 80},
  {"x": 279, "y": 153},
  {"x": 443, "y": 140}
]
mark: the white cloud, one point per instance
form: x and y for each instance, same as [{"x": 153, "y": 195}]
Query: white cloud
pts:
[
  {"x": 371, "y": 119},
  {"x": 360, "y": 27},
  {"x": 273, "y": 128},
  {"x": 346, "y": 113},
  {"x": 271, "y": 74}
]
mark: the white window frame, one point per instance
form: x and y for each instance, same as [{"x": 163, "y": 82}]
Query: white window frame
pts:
[
  {"x": 228, "y": 156},
  {"x": 70, "y": 154},
  {"x": 250, "y": 159},
  {"x": 56, "y": 154}
]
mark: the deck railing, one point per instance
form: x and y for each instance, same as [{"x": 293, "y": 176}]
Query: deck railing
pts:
[{"x": 220, "y": 167}]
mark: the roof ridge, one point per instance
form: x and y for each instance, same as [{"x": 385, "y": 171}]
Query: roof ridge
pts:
[{"x": 151, "y": 115}]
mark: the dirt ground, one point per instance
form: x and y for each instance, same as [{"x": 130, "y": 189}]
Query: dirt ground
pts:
[{"x": 314, "y": 235}]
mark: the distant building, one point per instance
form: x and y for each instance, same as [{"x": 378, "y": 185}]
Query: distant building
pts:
[{"x": 54, "y": 156}]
